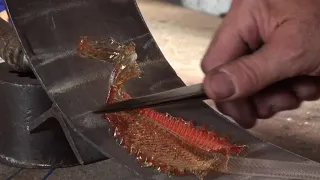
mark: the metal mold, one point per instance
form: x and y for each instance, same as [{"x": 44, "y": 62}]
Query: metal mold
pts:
[{"x": 31, "y": 134}]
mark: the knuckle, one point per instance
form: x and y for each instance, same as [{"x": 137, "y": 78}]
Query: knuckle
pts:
[{"x": 265, "y": 113}]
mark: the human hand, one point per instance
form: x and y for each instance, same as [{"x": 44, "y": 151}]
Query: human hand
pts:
[
  {"x": 265, "y": 58},
  {"x": 4, "y": 15}
]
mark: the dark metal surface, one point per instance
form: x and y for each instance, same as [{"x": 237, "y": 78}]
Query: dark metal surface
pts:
[
  {"x": 22, "y": 100},
  {"x": 50, "y": 30},
  {"x": 32, "y": 134},
  {"x": 84, "y": 152},
  {"x": 178, "y": 95}
]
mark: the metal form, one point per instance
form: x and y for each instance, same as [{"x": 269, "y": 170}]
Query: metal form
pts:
[
  {"x": 26, "y": 143},
  {"x": 49, "y": 31}
]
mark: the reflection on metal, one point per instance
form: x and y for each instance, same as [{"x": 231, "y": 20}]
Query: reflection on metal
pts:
[
  {"x": 42, "y": 25},
  {"x": 26, "y": 140}
]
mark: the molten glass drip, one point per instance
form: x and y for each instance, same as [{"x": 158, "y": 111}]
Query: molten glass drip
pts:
[{"x": 169, "y": 144}]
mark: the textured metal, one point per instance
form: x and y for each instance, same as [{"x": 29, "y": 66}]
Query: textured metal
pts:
[
  {"x": 49, "y": 31},
  {"x": 11, "y": 49},
  {"x": 26, "y": 140},
  {"x": 22, "y": 100}
]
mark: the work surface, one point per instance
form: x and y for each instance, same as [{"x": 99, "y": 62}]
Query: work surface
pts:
[{"x": 183, "y": 36}]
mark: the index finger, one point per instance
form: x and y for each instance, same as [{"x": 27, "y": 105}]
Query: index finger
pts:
[{"x": 227, "y": 44}]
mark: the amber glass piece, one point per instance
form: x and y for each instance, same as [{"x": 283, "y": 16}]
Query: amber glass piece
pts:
[{"x": 169, "y": 144}]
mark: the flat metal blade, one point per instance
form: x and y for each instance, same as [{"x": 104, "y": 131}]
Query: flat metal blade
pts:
[{"x": 187, "y": 93}]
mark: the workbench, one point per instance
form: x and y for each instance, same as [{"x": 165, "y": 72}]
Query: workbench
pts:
[{"x": 183, "y": 36}]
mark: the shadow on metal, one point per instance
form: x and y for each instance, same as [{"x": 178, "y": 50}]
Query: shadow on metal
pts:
[
  {"x": 33, "y": 135},
  {"x": 23, "y": 101},
  {"x": 49, "y": 31}
]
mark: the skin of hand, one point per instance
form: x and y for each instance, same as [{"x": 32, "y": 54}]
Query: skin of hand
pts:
[
  {"x": 264, "y": 59},
  {"x": 4, "y": 15}
]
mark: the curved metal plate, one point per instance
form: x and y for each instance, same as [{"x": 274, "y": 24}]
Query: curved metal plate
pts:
[{"x": 49, "y": 31}]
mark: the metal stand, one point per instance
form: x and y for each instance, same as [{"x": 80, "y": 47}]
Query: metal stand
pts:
[{"x": 32, "y": 134}]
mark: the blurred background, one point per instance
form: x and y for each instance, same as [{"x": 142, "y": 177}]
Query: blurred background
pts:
[{"x": 214, "y": 7}]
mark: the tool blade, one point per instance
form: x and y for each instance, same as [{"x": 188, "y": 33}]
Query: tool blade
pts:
[{"x": 187, "y": 93}]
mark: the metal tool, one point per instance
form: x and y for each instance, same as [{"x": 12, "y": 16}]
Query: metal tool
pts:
[{"x": 187, "y": 93}]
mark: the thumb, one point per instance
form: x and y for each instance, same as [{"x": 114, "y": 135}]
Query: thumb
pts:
[{"x": 275, "y": 61}]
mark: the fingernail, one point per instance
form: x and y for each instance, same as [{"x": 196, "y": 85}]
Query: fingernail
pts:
[{"x": 221, "y": 85}]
